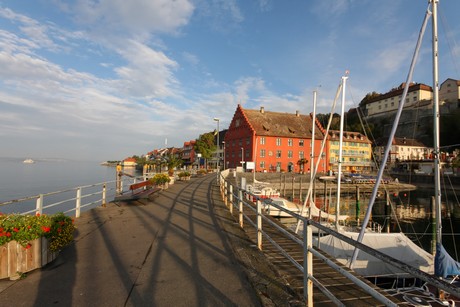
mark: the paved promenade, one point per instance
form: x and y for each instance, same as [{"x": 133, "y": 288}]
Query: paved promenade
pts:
[{"x": 178, "y": 248}]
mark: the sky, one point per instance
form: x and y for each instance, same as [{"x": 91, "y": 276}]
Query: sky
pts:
[{"x": 107, "y": 79}]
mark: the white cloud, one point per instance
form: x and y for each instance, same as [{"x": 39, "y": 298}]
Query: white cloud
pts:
[
  {"x": 148, "y": 73},
  {"x": 134, "y": 16}
]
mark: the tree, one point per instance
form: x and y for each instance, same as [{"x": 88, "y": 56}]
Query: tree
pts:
[
  {"x": 368, "y": 97},
  {"x": 302, "y": 163},
  {"x": 172, "y": 162},
  {"x": 205, "y": 145}
]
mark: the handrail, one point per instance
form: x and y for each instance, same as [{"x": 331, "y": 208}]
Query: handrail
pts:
[
  {"x": 93, "y": 195},
  {"x": 234, "y": 199}
]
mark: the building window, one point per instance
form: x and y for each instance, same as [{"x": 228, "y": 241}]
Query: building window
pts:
[
  {"x": 278, "y": 165},
  {"x": 289, "y": 142},
  {"x": 289, "y": 153},
  {"x": 262, "y": 153},
  {"x": 248, "y": 140},
  {"x": 301, "y": 143},
  {"x": 262, "y": 164},
  {"x": 301, "y": 155},
  {"x": 278, "y": 153},
  {"x": 278, "y": 142},
  {"x": 262, "y": 141}
]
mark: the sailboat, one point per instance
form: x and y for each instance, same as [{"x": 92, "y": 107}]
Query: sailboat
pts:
[{"x": 398, "y": 245}]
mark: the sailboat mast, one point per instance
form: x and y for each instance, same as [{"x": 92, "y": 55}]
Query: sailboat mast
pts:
[
  {"x": 312, "y": 153},
  {"x": 436, "y": 115},
  {"x": 339, "y": 162}
]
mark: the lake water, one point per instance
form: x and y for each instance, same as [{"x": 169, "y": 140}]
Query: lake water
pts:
[{"x": 18, "y": 179}]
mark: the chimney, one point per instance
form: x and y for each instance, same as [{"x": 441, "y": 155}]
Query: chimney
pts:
[
  {"x": 262, "y": 110},
  {"x": 297, "y": 113}
]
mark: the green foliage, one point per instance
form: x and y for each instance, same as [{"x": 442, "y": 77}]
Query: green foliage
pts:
[
  {"x": 368, "y": 97},
  {"x": 160, "y": 179},
  {"x": 173, "y": 162},
  {"x": 206, "y": 145},
  {"x": 184, "y": 174},
  {"x": 58, "y": 228},
  {"x": 324, "y": 119}
]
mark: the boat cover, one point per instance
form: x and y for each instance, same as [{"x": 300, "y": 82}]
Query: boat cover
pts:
[
  {"x": 396, "y": 245},
  {"x": 444, "y": 264}
]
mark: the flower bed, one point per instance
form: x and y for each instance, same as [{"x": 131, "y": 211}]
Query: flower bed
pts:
[{"x": 28, "y": 242}]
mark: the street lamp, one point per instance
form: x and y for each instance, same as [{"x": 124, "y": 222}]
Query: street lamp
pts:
[
  {"x": 218, "y": 148},
  {"x": 242, "y": 157}
]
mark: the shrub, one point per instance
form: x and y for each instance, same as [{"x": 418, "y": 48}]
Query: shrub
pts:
[
  {"x": 183, "y": 174},
  {"x": 160, "y": 179}
]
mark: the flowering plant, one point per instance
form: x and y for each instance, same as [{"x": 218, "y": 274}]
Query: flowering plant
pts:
[
  {"x": 160, "y": 179},
  {"x": 57, "y": 228}
]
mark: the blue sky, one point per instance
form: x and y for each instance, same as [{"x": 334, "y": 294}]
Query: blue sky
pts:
[{"x": 103, "y": 80}]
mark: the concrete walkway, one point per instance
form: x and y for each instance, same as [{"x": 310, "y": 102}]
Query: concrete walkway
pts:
[{"x": 169, "y": 250}]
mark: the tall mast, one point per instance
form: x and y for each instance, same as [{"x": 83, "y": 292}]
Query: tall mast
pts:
[
  {"x": 312, "y": 153},
  {"x": 437, "y": 176},
  {"x": 391, "y": 136},
  {"x": 339, "y": 162}
]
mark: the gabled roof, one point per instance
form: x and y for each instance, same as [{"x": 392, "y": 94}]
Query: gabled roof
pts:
[
  {"x": 399, "y": 90},
  {"x": 400, "y": 142},
  {"x": 349, "y": 136},
  {"x": 266, "y": 123}
]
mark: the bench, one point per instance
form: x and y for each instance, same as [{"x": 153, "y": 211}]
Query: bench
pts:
[{"x": 139, "y": 190}]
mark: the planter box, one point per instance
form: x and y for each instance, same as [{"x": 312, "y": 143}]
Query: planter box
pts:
[{"x": 15, "y": 259}]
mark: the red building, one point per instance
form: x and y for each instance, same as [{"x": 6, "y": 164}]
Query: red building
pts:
[{"x": 272, "y": 141}]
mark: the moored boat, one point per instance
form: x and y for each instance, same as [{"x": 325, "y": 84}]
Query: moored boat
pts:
[{"x": 28, "y": 161}]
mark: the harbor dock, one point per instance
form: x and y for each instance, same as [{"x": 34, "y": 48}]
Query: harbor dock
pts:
[{"x": 181, "y": 247}]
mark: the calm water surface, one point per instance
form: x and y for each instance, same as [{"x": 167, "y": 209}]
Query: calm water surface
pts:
[{"x": 18, "y": 179}]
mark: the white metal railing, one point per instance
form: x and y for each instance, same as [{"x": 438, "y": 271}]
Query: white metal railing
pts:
[
  {"x": 74, "y": 200},
  {"x": 238, "y": 199}
]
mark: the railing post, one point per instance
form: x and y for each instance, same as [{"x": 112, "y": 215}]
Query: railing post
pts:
[
  {"x": 39, "y": 205},
  {"x": 240, "y": 207},
  {"x": 78, "y": 203},
  {"x": 104, "y": 194},
  {"x": 307, "y": 265},
  {"x": 259, "y": 224},
  {"x": 230, "y": 196},
  {"x": 225, "y": 194}
]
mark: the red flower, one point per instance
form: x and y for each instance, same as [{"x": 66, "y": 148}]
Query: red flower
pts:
[
  {"x": 28, "y": 227},
  {"x": 8, "y": 234},
  {"x": 59, "y": 230},
  {"x": 15, "y": 229},
  {"x": 28, "y": 246},
  {"x": 46, "y": 229},
  {"x": 37, "y": 214}
]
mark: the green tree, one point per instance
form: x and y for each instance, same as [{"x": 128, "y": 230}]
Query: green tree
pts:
[
  {"x": 205, "y": 145},
  {"x": 368, "y": 97},
  {"x": 172, "y": 162}
]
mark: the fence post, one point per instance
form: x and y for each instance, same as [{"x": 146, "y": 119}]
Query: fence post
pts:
[
  {"x": 307, "y": 264},
  {"x": 39, "y": 205},
  {"x": 230, "y": 196},
  {"x": 78, "y": 203},
  {"x": 226, "y": 193},
  {"x": 259, "y": 224},
  {"x": 104, "y": 194},
  {"x": 240, "y": 207}
]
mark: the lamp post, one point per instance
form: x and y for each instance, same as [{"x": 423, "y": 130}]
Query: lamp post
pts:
[
  {"x": 242, "y": 158},
  {"x": 218, "y": 148}
]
